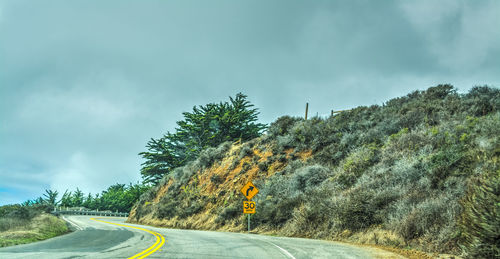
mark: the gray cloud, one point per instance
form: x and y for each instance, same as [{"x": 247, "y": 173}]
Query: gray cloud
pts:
[{"x": 85, "y": 84}]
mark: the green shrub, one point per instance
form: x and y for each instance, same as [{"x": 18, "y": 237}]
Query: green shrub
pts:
[
  {"x": 330, "y": 155},
  {"x": 284, "y": 142},
  {"x": 7, "y": 209},
  {"x": 309, "y": 177},
  {"x": 208, "y": 156},
  {"x": 275, "y": 212},
  {"x": 482, "y": 100},
  {"x": 282, "y": 125},
  {"x": 227, "y": 214},
  {"x": 167, "y": 209},
  {"x": 480, "y": 220},
  {"x": 445, "y": 162},
  {"x": 170, "y": 205},
  {"x": 264, "y": 166},
  {"x": 245, "y": 151},
  {"x": 182, "y": 175},
  {"x": 353, "y": 210},
  {"x": 193, "y": 208},
  {"x": 216, "y": 179}
]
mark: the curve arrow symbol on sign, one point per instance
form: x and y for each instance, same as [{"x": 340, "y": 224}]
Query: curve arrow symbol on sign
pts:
[{"x": 249, "y": 189}]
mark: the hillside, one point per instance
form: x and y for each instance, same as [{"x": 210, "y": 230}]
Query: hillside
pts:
[
  {"x": 27, "y": 224},
  {"x": 420, "y": 171}
]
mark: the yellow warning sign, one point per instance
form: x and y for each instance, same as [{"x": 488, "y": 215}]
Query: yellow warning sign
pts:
[
  {"x": 249, "y": 190},
  {"x": 249, "y": 207}
]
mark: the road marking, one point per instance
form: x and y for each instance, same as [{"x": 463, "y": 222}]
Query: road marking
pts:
[
  {"x": 283, "y": 250},
  {"x": 160, "y": 240},
  {"x": 72, "y": 223},
  {"x": 280, "y": 248}
]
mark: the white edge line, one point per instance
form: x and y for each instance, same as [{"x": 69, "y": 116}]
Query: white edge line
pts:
[
  {"x": 283, "y": 250},
  {"x": 72, "y": 223},
  {"x": 280, "y": 248}
]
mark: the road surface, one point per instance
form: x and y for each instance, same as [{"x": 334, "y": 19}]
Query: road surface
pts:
[{"x": 107, "y": 237}]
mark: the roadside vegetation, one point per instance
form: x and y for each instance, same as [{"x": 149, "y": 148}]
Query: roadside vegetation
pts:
[
  {"x": 421, "y": 171},
  {"x": 21, "y": 224},
  {"x": 31, "y": 221},
  {"x": 117, "y": 198}
]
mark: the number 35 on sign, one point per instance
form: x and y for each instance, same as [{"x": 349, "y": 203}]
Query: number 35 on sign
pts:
[{"x": 249, "y": 207}]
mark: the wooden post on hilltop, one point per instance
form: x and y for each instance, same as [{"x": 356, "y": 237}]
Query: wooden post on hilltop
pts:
[
  {"x": 307, "y": 109},
  {"x": 331, "y": 114}
]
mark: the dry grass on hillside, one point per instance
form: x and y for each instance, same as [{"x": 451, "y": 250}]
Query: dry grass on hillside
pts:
[
  {"x": 41, "y": 227},
  {"x": 221, "y": 183}
]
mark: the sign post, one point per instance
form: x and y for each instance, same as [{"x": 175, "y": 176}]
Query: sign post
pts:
[
  {"x": 249, "y": 190},
  {"x": 249, "y": 208}
]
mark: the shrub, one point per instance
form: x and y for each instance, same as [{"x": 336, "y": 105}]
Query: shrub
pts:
[
  {"x": 7, "y": 223},
  {"x": 480, "y": 220},
  {"x": 282, "y": 125},
  {"x": 353, "y": 166},
  {"x": 353, "y": 210},
  {"x": 381, "y": 200},
  {"x": 275, "y": 212},
  {"x": 228, "y": 213},
  {"x": 264, "y": 166},
  {"x": 309, "y": 177},
  {"x": 26, "y": 212},
  {"x": 412, "y": 219},
  {"x": 438, "y": 92},
  {"x": 216, "y": 179},
  {"x": 284, "y": 142},
  {"x": 245, "y": 151},
  {"x": 482, "y": 100},
  {"x": 7, "y": 209},
  {"x": 305, "y": 132},
  {"x": 193, "y": 208},
  {"x": 167, "y": 209},
  {"x": 208, "y": 156},
  {"x": 282, "y": 158},
  {"x": 444, "y": 162},
  {"x": 412, "y": 118},
  {"x": 183, "y": 174},
  {"x": 330, "y": 155}
]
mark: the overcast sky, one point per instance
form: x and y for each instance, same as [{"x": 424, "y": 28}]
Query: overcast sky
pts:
[{"x": 85, "y": 84}]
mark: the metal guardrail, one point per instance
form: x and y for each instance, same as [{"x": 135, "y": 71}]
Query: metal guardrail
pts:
[{"x": 72, "y": 211}]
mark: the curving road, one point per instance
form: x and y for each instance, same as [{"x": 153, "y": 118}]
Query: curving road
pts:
[{"x": 106, "y": 237}]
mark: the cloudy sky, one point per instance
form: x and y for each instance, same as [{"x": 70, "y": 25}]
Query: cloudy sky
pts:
[{"x": 85, "y": 84}]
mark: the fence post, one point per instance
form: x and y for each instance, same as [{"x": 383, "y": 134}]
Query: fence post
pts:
[{"x": 307, "y": 109}]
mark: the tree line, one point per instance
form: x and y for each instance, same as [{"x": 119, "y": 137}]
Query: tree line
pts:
[{"x": 117, "y": 197}]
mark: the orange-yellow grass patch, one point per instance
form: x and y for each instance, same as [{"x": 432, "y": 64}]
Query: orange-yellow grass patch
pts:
[{"x": 162, "y": 191}]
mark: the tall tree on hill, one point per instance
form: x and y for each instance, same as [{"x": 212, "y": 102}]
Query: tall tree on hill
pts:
[
  {"x": 87, "y": 203},
  {"x": 66, "y": 199},
  {"x": 77, "y": 198},
  {"x": 206, "y": 126},
  {"x": 51, "y": 197}
]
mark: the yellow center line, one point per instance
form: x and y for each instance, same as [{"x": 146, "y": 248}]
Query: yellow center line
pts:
[{"x": 160, "y": 240}]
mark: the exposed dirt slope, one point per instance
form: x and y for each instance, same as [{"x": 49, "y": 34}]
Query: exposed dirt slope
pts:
[{"x": 215, "y": 188}]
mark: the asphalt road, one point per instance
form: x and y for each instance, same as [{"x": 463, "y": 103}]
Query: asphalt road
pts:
[{"x": 106, "y": 237}]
